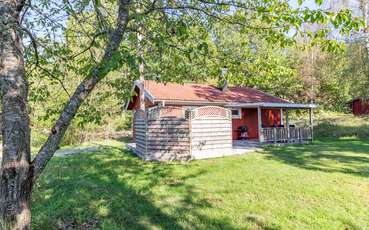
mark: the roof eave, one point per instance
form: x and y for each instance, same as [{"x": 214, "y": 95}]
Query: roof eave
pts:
[
  {"x": 147, "y": 94},
  {"x": 238, "y": 104},
  {"x": 190, "y": 102},
  {"x": 273, "y": 105}
]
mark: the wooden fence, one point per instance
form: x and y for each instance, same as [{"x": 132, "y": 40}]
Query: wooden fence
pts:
[
  {"x": 211, "y": 131},
  {"x": 172, "y": 133},
  {"x": 292, "y": 134},
  {"x": 162, "y": 134},
  {"x": 139, "y": 131}
]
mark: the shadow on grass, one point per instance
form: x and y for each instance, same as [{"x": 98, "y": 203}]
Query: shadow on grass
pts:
[
  {"x": 349, "y": 156},
  {"x": 116, "y": 190}
]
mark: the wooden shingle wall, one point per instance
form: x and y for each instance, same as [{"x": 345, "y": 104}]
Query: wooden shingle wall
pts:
[
  {"x": 170, "y": 133},
  {"x": 139, "y": 131},
  {"x": 162, "y": 135},
  {"x": 168, "y": 139}
]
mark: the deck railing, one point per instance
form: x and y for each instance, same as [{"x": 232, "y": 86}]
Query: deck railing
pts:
[{"x": 285, "y": 135}]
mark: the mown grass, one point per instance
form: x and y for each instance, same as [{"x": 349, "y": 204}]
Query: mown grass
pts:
[{"x": 324, "y": 185}]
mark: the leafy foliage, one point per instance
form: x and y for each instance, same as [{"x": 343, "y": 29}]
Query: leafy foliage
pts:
[{"x": 182, "y": 41}]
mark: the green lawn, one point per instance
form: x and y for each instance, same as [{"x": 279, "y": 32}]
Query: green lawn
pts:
[{"x": 319, "y": 186}]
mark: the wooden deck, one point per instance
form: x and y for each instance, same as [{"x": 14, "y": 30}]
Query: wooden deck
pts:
[
  {"x": 286, "y": 135},
  {"x": 244, "y": 144}
]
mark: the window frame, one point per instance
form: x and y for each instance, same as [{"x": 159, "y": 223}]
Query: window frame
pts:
[{"x": 239, "y": 116}]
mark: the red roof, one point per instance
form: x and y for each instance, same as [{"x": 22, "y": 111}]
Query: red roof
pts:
[{"x": 207, "y": 93}]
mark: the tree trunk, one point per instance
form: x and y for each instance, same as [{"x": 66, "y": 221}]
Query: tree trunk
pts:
[
  {"x": 83, "y": 90},
  {"x": 15, "y": 172}
]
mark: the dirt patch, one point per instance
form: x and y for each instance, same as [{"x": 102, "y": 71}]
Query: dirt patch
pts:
[{"x": 77, "y": 150}]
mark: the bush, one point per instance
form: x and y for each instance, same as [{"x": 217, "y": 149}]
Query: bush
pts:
[{"x": 37, "y": 138}]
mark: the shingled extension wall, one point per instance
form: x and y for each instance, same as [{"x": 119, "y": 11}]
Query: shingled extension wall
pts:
[{"x": 174, "y": 133}]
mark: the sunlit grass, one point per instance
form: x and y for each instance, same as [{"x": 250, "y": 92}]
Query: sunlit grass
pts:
[
  {"x": 338, "y": 125},
  {"x": 320, "y": 186}
]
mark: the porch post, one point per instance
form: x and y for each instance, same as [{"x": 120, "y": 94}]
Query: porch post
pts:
[
  {"x": 311, "y": 123},
  {"x": 288, "y": 127},
  {"x": 282, "y": 122},
  {"x": 142, "y": 95},
  {"x": 261, "y": 138}
]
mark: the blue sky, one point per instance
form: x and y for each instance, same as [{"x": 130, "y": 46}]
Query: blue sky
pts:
[
  {"x": 352, "y": 4},
  {"x": 308, "y": 3}
]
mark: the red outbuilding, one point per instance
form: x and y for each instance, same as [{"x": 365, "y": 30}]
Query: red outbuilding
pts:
[{"x": 359, "y": 106}]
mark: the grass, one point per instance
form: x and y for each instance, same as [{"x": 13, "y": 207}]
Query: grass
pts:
[
  {"x": 338, "y": 125},
  {"x": 324, "y": 185}
]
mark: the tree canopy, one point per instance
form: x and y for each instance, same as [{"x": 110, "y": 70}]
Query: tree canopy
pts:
[
  {"x": 183, "y": 41},
  {"x": 75, "y": 58}
]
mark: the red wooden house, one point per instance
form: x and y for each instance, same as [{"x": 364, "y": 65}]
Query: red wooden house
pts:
[
  {"x": 244, "y": 103},
  {"x": 359, "y": 106}
]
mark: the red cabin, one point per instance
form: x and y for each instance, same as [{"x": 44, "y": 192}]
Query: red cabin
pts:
[
  {"x": 359, "y": 106},
  {"x": 251, "y": 108}
]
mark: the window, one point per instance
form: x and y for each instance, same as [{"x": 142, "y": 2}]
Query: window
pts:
[{"x": 236, "y": 113}]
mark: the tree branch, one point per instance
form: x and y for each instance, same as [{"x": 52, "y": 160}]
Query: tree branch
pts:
[
  {"x": 94, "y": 37},
  {"x": 55, "y": 78},
  {"x": 34, "y": 45},
  {"x": 33, "y": 42},
  {"x": 207, "y": 13},
  {"x": 25, "y": 12},
  {"x": 83, "y": 90},
  {"x": 20, "y": 5}
]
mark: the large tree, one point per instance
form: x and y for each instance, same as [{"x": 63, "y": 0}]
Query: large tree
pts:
[{"x": 35, "y": 35}]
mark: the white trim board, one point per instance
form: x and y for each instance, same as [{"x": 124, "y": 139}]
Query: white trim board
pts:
[
  {"x": 239, "y": 116},
  {"x": 146, "y": 93},
  {"x": 273, "y": 105}
]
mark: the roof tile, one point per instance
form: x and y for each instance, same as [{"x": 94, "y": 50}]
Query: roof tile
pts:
[{"x": 208, "y": 93}]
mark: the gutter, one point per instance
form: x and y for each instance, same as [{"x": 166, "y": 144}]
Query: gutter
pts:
[
  {"x": 243, "y": 105},
  {"x": 273, "y": 105}
]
